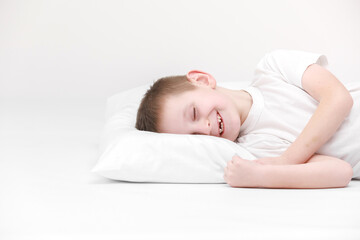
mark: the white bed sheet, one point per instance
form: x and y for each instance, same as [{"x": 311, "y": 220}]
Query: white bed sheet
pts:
[{"x": 48, "y": 147}]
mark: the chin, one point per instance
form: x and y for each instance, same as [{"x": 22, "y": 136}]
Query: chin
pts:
[
  {"x": 230, "y": 138},
  {"x": 233, "y": 137}
]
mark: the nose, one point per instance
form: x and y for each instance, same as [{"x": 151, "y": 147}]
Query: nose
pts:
[{"x": 204, "y": 127}]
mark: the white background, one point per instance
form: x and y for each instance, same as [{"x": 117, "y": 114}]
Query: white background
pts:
[
  {"x": 60, "y": 60},
  {"x": 92, "y": 49}
]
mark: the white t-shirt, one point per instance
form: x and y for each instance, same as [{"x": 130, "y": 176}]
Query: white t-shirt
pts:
[{"x": 281, "y": 109}]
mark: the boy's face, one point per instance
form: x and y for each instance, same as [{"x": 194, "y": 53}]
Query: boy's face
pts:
[{"x": 198, "y": 112}]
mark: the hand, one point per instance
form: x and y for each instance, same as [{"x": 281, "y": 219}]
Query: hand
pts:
[
  {"x": 281, "y": 160},
  {"x": 242, "y": 173}
]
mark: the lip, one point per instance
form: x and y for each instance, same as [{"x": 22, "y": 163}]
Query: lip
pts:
[{"x": 222, "y": 120}]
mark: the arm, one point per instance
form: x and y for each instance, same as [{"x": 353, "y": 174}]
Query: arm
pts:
[
  {"x": 319, "y": 172},
  {"x": 335, "y": 103}
]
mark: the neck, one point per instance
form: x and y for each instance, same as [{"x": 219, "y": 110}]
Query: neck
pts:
[{"x": 241, "y": 99}]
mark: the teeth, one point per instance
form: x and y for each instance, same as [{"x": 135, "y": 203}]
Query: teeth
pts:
[{"x": 221, "y": 124}]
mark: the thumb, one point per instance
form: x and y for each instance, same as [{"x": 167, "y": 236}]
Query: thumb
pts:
[
  {"x": 236, "y": 157},
  {"x": 260, "y": 161}
]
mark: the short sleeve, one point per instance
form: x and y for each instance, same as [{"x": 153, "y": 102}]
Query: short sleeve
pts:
[{"x": 290, "y": 65}]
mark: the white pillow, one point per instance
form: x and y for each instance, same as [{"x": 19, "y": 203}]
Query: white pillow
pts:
[{"x": 132, "y": 155}]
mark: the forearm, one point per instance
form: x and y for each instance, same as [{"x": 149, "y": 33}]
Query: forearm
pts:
[
  {"x": 329, "y": 115},
  {"x": 319, "y": 172}
]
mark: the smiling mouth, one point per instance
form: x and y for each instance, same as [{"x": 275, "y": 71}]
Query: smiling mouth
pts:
[{"x": 221, "y": 123}]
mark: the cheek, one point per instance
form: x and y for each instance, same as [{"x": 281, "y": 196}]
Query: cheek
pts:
[{"x": 233, "y": 118}]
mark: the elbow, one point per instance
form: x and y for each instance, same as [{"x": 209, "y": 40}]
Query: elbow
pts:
[
  {"x": 346, "y": 102},
  {"x": 340, "y": 98},
  {"x": 346, "y": 175},
  {"x": 349, "y": 173},
  {"x": 349, "y": 101}
]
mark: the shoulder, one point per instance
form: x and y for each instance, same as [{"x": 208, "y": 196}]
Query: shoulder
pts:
[
  {"x": 283, "y": 55},
  {"x": 288, "y": 65}
]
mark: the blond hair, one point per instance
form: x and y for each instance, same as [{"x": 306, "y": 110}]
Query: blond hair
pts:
[{"x": 151, "y": 105}]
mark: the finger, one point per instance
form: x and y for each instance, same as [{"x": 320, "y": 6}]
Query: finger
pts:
[
  {"x": 226, "y": 178},
  {"x": 236, "y": 159}
]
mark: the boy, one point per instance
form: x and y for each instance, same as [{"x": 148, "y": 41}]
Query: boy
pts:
[{"x": 296, "y": 118}]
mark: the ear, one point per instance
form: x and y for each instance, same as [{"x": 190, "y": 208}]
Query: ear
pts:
[{"x": 200, "y": 78}]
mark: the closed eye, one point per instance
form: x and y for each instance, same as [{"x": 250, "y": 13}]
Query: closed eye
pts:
[{"x": 194, "y": 113}]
